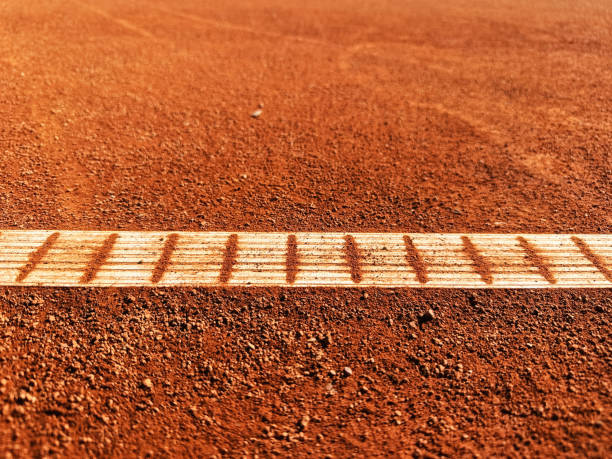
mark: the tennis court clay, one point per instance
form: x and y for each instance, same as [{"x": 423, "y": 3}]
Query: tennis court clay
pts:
[{"x": 356, "y": 228}]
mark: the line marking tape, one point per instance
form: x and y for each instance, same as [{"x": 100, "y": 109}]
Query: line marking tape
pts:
[{"x": 145, "y": 258}]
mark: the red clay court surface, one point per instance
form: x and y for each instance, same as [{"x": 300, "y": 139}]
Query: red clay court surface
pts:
[{"x": 378, "y": 116}]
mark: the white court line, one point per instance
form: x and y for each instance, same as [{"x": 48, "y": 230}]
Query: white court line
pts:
[{"x": 149, "y": 258}]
